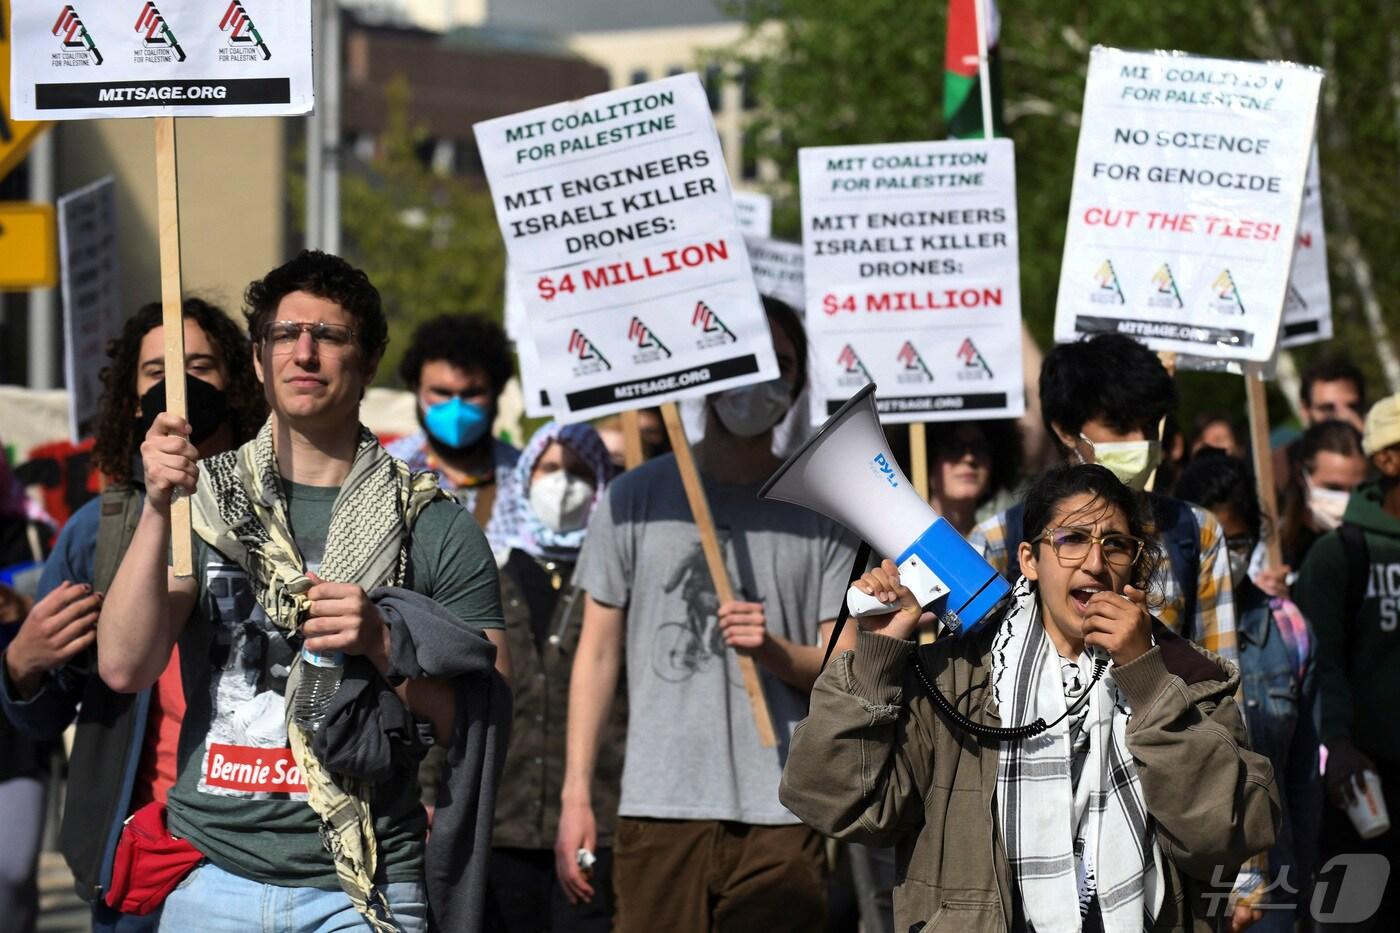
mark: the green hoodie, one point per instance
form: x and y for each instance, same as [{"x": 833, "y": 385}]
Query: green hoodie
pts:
[{"x": 1358, "y": 660}]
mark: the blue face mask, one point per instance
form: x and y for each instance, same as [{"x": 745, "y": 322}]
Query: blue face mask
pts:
[{"x": 456, "y": 423}]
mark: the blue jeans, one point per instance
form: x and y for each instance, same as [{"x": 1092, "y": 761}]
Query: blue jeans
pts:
[{"x": 211, "y": 900}]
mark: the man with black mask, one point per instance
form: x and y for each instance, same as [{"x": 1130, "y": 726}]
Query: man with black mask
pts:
[
  {"x": 124, "y": 751},
  {"x": 701, "y": 837},
  {"x": 457, "y": 365}
]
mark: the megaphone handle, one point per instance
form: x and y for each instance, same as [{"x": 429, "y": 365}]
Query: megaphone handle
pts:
[{"x": 863, "y": 604}]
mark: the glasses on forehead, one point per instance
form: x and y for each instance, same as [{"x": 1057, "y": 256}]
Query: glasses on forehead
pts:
[
  {"x": 1072, "y": 546},
  {"x": 282, "y": 336}
]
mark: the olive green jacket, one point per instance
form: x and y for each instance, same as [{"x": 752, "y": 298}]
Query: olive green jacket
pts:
[{"x": 874, "y": 762}]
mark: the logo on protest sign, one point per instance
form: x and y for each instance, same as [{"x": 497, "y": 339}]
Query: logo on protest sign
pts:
[
  {"x": 1293, "y": 300},
  {"x": 244, "y": 39},
  {"x": 853, "y": 371},
  {"x": 914, "y": 369},
  {"x": 1164, "y": 290},
  {"x": 1227, "y": 295},
  {"x": 1109, "y": 291},
  {"x": 159, "y": 42},
  {"x": 974, "y": 363},
  {"x": 715, "y": 331},
  {"x": 649, "y": 346},
  {"x": 81, "y": 49},
  {"x": 590, "y": 359}
]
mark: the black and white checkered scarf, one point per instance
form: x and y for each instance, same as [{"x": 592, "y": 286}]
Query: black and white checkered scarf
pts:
[{"x": 1074, "y": 845}]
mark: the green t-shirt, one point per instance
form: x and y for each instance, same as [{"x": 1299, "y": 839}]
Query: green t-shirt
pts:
[{"x": 238, "y": 796}]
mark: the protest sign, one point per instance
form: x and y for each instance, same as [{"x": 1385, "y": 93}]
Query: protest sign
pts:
[
  {"x": 754, "y": 212},
  {"x": 777, "y": 270},
  {"x": 912, "y": 280},
  {"x": 92, "y": 307},
  {"x": 1184, "y": 212},
  {"x": 174, "y": 58},
  {"x": 618, "y": 219},
  {"x": 1307, "y": 309},
  {"x": 518, "y": 330}
]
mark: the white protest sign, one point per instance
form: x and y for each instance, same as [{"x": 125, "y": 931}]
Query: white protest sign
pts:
[
  {"x": 92, "y": 308},
  {"x": 754, "y": 212},
  {"x": 518, "y": 330},
  {"x": 202, "y": 58},
  {"x": 777, "y": 270},
  {"x": 912, "y": 275},
  {"x": 619, "y": 222},
  {"x": 1307, "y": 311},
  {"x": 1184, "y": 213}
]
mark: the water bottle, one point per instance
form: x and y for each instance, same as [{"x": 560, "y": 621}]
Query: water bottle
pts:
[{"x": 320, "y": 676}]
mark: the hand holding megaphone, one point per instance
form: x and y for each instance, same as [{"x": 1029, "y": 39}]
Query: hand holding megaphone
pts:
[{"x": 884, "y": 591}]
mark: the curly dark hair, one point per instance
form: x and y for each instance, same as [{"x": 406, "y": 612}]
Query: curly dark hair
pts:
[
  {"x": 1111, "y": 378},
  {"x": 325, "y": 276},
  {"x": 466, "y": 341},
  {"x": 1059, "y": 483},
  {"x": 1213, "y": 478},
  {"x": 114, "y": 448},
  {"x": 1333, "y": 369}
]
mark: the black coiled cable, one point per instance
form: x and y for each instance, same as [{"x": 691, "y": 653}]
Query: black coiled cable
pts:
[{"x": 998, "y": 733}]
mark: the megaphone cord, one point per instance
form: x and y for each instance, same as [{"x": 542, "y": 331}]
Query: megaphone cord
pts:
[{"x": 1000, "y": 733}]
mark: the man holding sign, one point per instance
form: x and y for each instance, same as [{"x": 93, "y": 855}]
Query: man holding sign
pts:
[
  {"x": 292, "y": 530},
  {"x": 702, "y": 842}
]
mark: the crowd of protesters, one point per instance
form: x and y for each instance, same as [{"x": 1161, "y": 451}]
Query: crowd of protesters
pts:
[{"x": 537, "y": 719}]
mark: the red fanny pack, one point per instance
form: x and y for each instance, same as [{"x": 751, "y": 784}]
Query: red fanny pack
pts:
[{"x": 150, "y": 862}]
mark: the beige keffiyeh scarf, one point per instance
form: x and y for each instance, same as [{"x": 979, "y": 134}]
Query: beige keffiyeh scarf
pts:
[{"x": 241, "y": 511}]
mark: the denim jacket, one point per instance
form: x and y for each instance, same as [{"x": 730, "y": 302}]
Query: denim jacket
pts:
[{"x": 1279, "y": 711}]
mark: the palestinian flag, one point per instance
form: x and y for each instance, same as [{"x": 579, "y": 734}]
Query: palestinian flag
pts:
[{"x": 962, "y": 92}]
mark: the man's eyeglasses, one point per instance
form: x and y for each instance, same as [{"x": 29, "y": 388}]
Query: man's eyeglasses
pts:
[
  {"x": 282, "y": 336},
  {"x": 1072, "y": 546}
]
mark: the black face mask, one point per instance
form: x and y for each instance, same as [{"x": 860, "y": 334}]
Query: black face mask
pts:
[{"x": 206, "y": 408}]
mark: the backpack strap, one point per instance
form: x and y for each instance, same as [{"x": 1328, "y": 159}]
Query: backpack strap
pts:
[
  {"x": 1358, "y": 557},
  {"x": 1181, "y": 538},
  {"x": 121, "y": 510}
]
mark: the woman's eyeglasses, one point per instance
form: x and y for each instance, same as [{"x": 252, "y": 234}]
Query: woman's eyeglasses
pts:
[{"x": 1072, "y": 546}]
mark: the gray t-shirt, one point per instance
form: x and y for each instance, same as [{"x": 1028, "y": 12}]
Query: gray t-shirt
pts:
[{"x": 692, "y": 749}]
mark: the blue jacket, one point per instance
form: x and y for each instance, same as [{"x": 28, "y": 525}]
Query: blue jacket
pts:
[
  {"x": 111, "y": 727},
  {"x": 1279, "y": 710}
]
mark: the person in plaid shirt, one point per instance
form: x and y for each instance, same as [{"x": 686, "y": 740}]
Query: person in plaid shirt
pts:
[{"x": 1103, "y": 401}]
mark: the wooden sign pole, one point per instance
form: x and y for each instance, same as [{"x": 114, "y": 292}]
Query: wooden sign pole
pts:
[
  {"x": 631, "y": 440},
  {"x": 1168, "y": 359},
  {"x": 172, "y": 320},
  {"x": 714, "y": 559},
  {"x": 1263, "y": 459},
  {"x": 918, "y": 458}
]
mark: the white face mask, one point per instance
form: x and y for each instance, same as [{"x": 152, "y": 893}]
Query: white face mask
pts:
[
  {"x": 1326, "y": 505},
  {"x": 1133, "y": 462},
  {"x": 561, "y": 500},
  {"x": 750, "y": 410}
]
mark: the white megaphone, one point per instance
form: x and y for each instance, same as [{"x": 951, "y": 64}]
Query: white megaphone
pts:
[{"x": 847, "y": 473}]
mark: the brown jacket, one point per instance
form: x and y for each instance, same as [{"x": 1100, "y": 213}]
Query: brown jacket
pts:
[
  {"x": 875, "y": 763},
  {"x": 527, "y": 800}
]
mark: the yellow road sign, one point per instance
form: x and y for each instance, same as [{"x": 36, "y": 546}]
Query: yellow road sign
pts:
[
  {"x": 28, "y": 246},
  {"x": 15, "y": 136}
]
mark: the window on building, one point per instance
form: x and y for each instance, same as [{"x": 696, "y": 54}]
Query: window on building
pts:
[
  {"x": 714, "y": 87},
  {"x": 640, "y": 76},
  {"x": 748, "y": 156},
  {"x": 750, "y": 93},
  {"x": 674, "y": 70}
]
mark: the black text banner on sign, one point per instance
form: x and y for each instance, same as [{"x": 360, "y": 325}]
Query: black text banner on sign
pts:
[
  {"x": 1187, "y": 186},
  {"x": 911, "y": 268},
  {"x": 87, "y": 60},
  {"x": 619, "y": 223}
]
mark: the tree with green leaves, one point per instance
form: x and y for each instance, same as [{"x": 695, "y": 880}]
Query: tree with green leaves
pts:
[{"x": 429, "y": 242}]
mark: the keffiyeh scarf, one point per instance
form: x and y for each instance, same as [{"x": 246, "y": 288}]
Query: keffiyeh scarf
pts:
[
  {"x": 1069, "y": 802},
  {"x": 240, "y": 510},
  {"x": 527, "y": 532}
]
